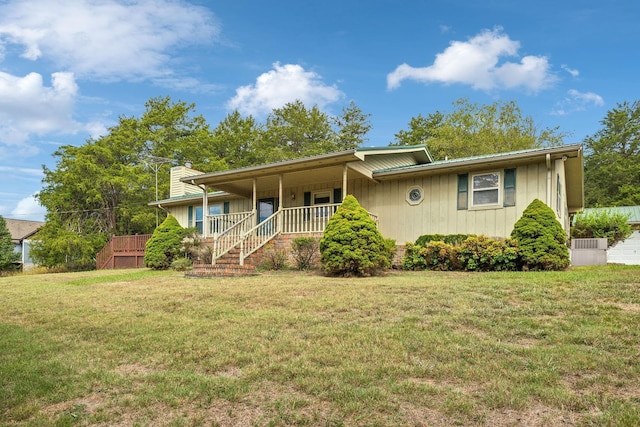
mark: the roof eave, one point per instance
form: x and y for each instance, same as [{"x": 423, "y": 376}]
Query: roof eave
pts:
[
  {"x": 574, "y": 150},
  {"x": 295, "y": 165}
]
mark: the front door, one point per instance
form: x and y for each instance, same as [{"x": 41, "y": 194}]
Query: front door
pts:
[{"x": 266, "y": 208}]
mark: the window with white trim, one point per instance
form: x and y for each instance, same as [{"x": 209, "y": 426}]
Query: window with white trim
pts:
[
  {"x": 485, "y": 189},
  {"x": 199, "y": 219}
]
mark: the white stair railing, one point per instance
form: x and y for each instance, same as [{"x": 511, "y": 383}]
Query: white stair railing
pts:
[
  {"x": 249, "y": 238},
  {"x": 232, "y": 236},
  {"x": 259, "y": 235}
]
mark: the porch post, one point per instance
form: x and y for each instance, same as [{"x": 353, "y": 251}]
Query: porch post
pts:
[
  {"x": 255, "y": 196},
  {"x": 344, "y": 181},
  {"x": 205, "y": 210},
  {"x": 280, "y": 202}
]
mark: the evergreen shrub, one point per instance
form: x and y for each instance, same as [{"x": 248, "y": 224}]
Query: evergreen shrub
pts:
[
  {"x": 164, "y": 245},
  {"x": 390, "y": 250},
  {"x": 541, "y": 239},
  {"x": 452, "y": 239},
  {"x": 8, "y": 256},
  {"x": 352, "y": 244}
]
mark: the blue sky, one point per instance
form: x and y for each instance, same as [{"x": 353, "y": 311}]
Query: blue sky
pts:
[{"x": 70, "y": 68}]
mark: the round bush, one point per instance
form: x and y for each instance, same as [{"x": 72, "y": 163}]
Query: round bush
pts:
[
  {"x": 481, "y": 253},
  {"x": 541, "y": 239},
  {"x": 351, "y": 244},
  {"x": 164, "y": 245}
]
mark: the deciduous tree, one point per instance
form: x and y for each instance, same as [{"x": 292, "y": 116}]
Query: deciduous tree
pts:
[
  {"x": 472, "y": 129},
  {"x": 102, "y": 188},
  {"x": 612, "y": 159}
]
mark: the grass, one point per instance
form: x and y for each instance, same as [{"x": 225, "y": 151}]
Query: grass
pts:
[{"x": 137, "y": 348}]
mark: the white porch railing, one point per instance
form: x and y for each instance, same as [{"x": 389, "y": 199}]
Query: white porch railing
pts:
[
  {"x": 219, "y": 224},
  {"x": 307, "y": 219},
  {"x": 249, "y": 237},
  {"x": 231, "y": 236}
]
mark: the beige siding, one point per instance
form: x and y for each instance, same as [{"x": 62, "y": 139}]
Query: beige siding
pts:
[
  {"x": 438, "y": 212},
  {"x": 179, "y": 188},
  {"x": 181, "y": 213}
]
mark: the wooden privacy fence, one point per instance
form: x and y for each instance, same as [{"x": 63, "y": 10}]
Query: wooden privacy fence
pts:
[{"x": 123, "y": 252}]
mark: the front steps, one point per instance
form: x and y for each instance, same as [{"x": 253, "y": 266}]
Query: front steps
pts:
[
  {"x": 229, "y": 264},
  {"x": 226, "y": 266}
]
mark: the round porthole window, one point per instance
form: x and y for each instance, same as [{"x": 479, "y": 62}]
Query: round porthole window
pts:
[{"x": 415, "y": 195}]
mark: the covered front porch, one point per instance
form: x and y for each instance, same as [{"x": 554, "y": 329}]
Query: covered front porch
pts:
[
  {"x": 249, "y": 231},
  {"x": 291, "y": 197}
]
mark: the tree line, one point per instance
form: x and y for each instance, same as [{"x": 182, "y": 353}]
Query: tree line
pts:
[{"x": 102, "y": 188}]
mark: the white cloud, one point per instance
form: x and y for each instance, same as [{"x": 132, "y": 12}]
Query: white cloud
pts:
[
  {"x": 29, "y": 208},
  {"x": 22, "y": 171},
  {"x": 577, "y": 101},
  {"x": 572, "y": 71},
  {"x": 106, "y": 39},
  {"x": 477, "y": 62},
  {"x": 285, "y": 83},
  {"x": 28, "y": 107}
]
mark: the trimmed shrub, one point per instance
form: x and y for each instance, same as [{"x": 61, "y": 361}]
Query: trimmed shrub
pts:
[
  {"x": 351, "y": 244},
  {"x": 390, "y": 250},
  {"x": 441, "y": 256},
  {"x": 541, "y": 239},
  {"x": 435, "y": 255},
  {"x": 451, "y": 239},
  {"x": 164, "y": 245},
  {"x": 601, "y": 223},
  {"x": 304, "y": 251},
  {"x": 480, "y": 253},
  {"x": 414, "y": 257},
  {"x": 426, "y": 238}
]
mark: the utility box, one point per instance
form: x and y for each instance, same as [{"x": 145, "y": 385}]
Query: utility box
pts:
[{"x": 588, "y": 251}]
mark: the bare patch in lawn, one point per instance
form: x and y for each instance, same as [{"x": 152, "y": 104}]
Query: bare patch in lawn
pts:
[
  {"x": 445, "y": 385},
  {"x": 536, "y": 416},
  {"x": 633, "y": 308},
  {"x": 88, "y": 404},
  {"x": 230, "y": 372},
  {"x": 420, "y": 416},
  {"x": 133, "y": 369}
]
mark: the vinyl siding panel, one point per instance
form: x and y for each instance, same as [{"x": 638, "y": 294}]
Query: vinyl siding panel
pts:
[
  {"x": 179, "y": 188},
  {"x": 438, "y": 212}
]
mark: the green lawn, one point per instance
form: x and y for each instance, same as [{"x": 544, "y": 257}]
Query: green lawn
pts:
[{"x": 136, "y": 347}]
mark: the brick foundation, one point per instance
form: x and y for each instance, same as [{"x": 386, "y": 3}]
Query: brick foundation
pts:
[{"x": 229, "y": 264}]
